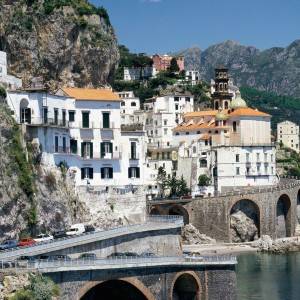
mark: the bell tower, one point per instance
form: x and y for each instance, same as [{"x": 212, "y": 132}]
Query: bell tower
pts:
[{"x": 221, "y": 97}]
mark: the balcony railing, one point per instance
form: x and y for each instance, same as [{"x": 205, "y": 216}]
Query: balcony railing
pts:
[
  {"x": 49, "y": 122},
  {"x": 62, "y": 150},
  {"x": 91, "y": 125}
]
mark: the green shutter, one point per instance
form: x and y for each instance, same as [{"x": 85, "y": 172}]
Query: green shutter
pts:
[
  {"x": 82, "y": 173},
  {"x": 91, "y": 173},
  {"x": 105, "y": 117},
  {"x": 110, "y": 147},
  {"x": 129, "y": 172},
  {"x": 102, "y": 150},
  {"x": 82, "y": 149},
  {"x": 91, "y": 150},
  {"x": 110, "y": 172},
  {"x": 137, "y": 172},
  {"x": 102, "y": 173}
]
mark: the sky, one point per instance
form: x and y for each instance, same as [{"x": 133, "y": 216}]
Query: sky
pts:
[{"x": 161, "y": 26}]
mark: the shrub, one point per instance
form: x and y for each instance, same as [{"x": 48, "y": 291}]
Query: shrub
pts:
[
  {"x": 2, "y": 92},
  {"x": 50, "y": 181},
  {"x": 203, "y": 180},
  {"x": 22, "y": 295}
]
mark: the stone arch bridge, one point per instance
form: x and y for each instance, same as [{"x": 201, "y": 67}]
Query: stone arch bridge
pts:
[{"x": 274, "y": 210}]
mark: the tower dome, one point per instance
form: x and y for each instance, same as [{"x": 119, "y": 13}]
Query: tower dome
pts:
[
  {"x": 238, "y": 102},
  {"x": 221, "y": 116}
]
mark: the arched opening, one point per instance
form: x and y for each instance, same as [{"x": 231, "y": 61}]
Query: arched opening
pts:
[
  {"x": 25, "y": 112},
  {"x": 283, "y": 217},
  {"x": 244, "y": 221},
  {"x": 154, "y": 211},
  {"x": 177, "y": 210},
  {"x": 226, "y": 105},
  {"x": 186, "y": 287},
  {"x": 115, "y": 290},
  {"x": 216, "y": 105}
]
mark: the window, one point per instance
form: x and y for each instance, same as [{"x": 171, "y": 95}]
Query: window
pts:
[
  {"x": 234, "y": 126},
  {"x": 237, "y": 171},
  {"x": 64, "y": 118},
  {"x": 87, "y": 149},
  {"x": 71, "y": 116},
  {"x": 187, "y": 99},
  {"x": 203, "y": 163},
  {"x": 87, "y": 173},
  {"x": 247, "y": 157},
  {"x": 133, "y": 172},
  {"x": 123, "y": 103},
  {"x": 258, "y": 157},
  {"x": 147, "y": 121},
  {"x": 247, "y": 171},
  {"x": 187, "y": 133},
  {"x": 73, "y": 146},
  {"x": 106, "y": 149},
  {"x": 107, "y": 173},
  {"x": 266, "y": 169},
  {"x": 271, "y": 157},
  {"x": 226, "y": 105},
  {"x": 177, "y": 133},
  {"x": 56, "y": 116},
  {"x": 237, "y": 158},
  {"x": 176, "y": 99},
  {"x": 198, "y": 132},
  {"x": 133, "y": 154},
  {"x": 165, "y": 122},
  {"x": 258, "y": 169},
  {"x": 176, "y": 106},
  {"x": 56, "y": 144},
  {"x": 165, "y": 131},
  {"x": 168, "y": 155},
  {"x": 45, "y": 115},
  {"x": 194, "y": 149},
  {"x": 272, "y": 170},
  {"x": 64, "y": 145},
  {"x": 106, "y": 119},
  {"x": 85, "y": 119},
  {"x": 266, "y": 156}
]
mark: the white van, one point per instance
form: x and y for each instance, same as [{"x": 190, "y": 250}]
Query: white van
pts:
[{"x": 76, "y": 229}]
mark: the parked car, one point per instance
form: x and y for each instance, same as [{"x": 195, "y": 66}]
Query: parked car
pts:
[
  {"x": 148, "y": 254},
  {"x": 59, "y": 234},
  {"x": 26, "y": 242},
  {"x": 76, "y": 229},
  {"x": 89, "y": 228},
  {"x": 117, "y": 255},
  {"x": 9, "y": 244},
  {"x": 43, "y": 237},
  {"x": 59, "y": 257},
  {"x": 89, "y": 256},
  {"x": 131, "y": 254}
]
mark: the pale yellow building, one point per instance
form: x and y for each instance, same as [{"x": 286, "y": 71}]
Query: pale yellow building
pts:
[{"x": 288, "y": 134}]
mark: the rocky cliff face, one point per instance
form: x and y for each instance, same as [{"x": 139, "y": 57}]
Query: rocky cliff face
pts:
[
  {"x": 58, "y": 42},
  {"x": 276, "y": 69}
]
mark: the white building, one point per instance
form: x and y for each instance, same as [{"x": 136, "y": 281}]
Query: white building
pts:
[
  {"x": 233, "y": 147},
  {"x": 192, "y": 76},
  {"x": 288, "y": 134},
  {"x": 82, "y": 128},
  {"x": 139, "y": 73},
  {"x": 8, "y": 81}
]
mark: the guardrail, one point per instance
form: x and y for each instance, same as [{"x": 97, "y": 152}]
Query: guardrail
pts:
[
  {"x": 121, "y": 262},
  {"x": 151, "y": 223}
]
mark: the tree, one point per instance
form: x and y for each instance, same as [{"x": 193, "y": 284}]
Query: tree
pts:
[
  {"x": 173, "y": 65},
  {"x": 2, "y": 92},
  {"x": 203, "y": 180},
  {"x": 162, "y": 180},
  {"x": 182, "y": 188},
  {"x": 172, "y": 184}
]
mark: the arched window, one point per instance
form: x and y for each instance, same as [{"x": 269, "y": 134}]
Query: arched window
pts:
[
  {"x": 226, "y": 105},
  {"x": 203, "y": 163},
  {"x": 216, "y": 105},
  {"x": 221, "y": 86},
  {"x": 234, "y": 126}
]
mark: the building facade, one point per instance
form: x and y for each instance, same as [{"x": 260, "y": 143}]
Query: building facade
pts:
[
  {"x": 139, "y": 73},
  {"x": 163, "y": 62},
  {"x": 288, "y": 135}
]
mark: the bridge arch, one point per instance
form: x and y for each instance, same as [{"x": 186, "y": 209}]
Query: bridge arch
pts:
[
  {"x": 244, "y": 221},
  {"x": 186, "y": 285},
  {"x": 283, "y": 217},
  {"x": 116, "y": 289},
  {"x": 157, "y": 211},
  {"x": 179, "y": 210}
]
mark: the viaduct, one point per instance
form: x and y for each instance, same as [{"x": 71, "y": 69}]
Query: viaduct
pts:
[{"x": 273, "y": 209}]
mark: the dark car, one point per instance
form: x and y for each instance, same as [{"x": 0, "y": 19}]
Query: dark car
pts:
[
  {"x": 131, "y": 254},
  {"x": 117, "y": 255},
  {"x": 148, "y": 254},
  {"x": 88, "y": 256},
  {"x": 89, "y": 228},
  {"x": 9, "y": 244},
  {"x": 59, "y": 234}
]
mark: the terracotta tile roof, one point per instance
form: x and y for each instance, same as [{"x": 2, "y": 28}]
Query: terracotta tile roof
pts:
[
  {"x": 91, "y": 94},
  {"x": 247, "y": 111},
  {"x": 201, "y": 113}
]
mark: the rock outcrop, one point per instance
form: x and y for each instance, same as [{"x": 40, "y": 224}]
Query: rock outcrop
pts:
[
  {"x": 192, "y": 236},
  {"x": 58, "y": 43},
  {"x": 242, "y": 228},
  {"x": 9, "y": 284}
]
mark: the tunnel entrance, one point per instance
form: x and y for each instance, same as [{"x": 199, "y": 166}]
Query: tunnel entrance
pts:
[
  {"x": 114, "y": 290},
  {"x": 186, "y": 288},
  {"x": 283, "y": 217},
  {"x": 244, "y": 221}
]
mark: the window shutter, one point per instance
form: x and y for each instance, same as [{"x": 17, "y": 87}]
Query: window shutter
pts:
[
  {"x": 102, "y": 173},
  {"x": 137, "y": 172},
  {"x": 102, "y": 150},
  {"x": 82, "y": 149},
  {"x": 91, "y": 173},
  {"x": 110, "y": 172},
  {"x": 110, "y": 148},
  {"x": 129, "y": 172},
  {"x": 82, "y": 173},
  {"x": 91, "y": 150}
]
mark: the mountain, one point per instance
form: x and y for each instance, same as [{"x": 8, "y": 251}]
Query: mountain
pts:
[
  {"x": 56, "y": 42},
  {"x": 276, "y": 69}
]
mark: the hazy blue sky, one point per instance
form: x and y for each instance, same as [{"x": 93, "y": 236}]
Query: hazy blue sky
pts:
[{"x": 167, "y": 25}]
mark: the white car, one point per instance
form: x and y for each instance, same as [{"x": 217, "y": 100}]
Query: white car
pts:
[
  {"x": 76, "y": 229},
  {"x": 43, "y": 237}
]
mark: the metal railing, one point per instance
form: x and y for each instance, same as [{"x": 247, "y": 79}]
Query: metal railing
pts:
[
  {"x": 151, "y": 223},
  {"x": 49, "y": 122},
  {"x": 46, "y": 265}
]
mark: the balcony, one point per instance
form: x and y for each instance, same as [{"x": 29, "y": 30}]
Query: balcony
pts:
[
  {"x": 134, "y": 156},
  {"x": 49, "y": 122},
  {"x": 61, "y": 150}
]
